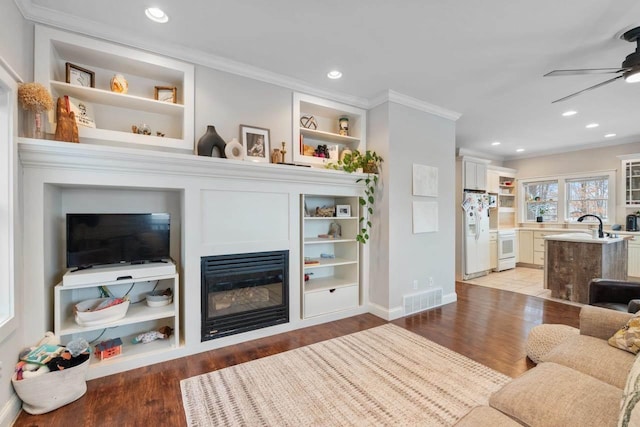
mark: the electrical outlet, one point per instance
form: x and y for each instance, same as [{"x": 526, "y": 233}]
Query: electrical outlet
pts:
[
  {"x": 430, "y": 281},
  {"x": 415, "y": 285}
]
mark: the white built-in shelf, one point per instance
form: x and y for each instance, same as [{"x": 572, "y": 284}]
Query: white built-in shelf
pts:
[
  {"x": 106, "y": 97},
  {"x": 333, "y": 218},
  {"x": 328, "y": 136},
  {"x": 136, "y": 313},
  {"x": 504, "y": 209},
  {"x": 330, "y": 262},
  {"x": 115, "y": 113},
  {"x": 326, "y": 283},
  {"x": 506, "y": 195},
  {"x": 327, "y": 114},
  {"x": 319, "y": 240}
]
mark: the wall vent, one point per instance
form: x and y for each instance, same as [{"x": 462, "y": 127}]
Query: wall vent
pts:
[{"x": 423, "y": 300}]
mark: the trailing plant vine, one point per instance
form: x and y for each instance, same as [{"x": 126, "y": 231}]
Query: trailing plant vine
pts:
[{"x": 369, "y": 163}]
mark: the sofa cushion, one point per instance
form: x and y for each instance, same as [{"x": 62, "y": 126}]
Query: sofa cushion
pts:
[
  {"x": 630, "y": 409},
  {"x": 586, "y": 354},
  {"x": 554, "y": 395},
  {"x": 628, "y": 337},
  {"x": 486, "y": 416}
]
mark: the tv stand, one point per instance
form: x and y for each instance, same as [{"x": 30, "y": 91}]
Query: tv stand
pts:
[{"x": 113, "y": 272}]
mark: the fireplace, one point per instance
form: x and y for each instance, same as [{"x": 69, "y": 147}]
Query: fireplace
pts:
[{"x": 242, "y": 292}]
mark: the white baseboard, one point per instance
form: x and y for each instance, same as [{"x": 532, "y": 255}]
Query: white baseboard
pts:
[
  {"x": 385, "y": 313},
  {"x": 10, "y": 411},
  {"x": 449, "y": 298}
]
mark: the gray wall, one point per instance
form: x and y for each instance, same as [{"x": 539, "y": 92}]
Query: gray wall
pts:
[
  {"x": 594, "y": 159},
  {"x": 414, "y": 137},
  {"x": 17, "y": 50}
]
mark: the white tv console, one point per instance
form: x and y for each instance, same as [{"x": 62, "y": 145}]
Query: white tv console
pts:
[{"x": 115, "y": 272}]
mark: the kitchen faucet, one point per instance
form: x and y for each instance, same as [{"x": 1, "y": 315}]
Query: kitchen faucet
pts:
[{"x": 600, "y": 232}]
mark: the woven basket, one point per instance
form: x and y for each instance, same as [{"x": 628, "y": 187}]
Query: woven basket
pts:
[{"x": 52, "y": 390}]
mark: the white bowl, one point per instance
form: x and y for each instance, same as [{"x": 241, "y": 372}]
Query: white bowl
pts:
[
  {"x": 155, "y": 299},
  {"x": 106, "y": 315}
]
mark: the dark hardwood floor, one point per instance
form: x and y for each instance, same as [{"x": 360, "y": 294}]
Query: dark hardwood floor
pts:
[{"x": 487, "y": 325}]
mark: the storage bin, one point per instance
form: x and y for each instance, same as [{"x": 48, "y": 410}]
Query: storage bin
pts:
[{"x": 52, "y": 390}]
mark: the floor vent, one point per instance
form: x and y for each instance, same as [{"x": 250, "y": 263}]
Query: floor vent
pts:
[{"x": 423, "y": 300}]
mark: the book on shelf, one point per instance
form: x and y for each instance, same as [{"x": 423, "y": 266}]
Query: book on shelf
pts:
[{"x": 43, "y": 354}]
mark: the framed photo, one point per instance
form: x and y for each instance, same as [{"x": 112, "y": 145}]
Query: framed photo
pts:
[
  {"x": 166, "y": 94},
  {"x": 256, "y": 143},
  {"x": 78, "y": 76},
  {"x": 343, "y": 210}
]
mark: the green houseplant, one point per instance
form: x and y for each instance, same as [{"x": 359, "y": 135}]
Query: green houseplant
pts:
[{"x": 369, "y": 163}]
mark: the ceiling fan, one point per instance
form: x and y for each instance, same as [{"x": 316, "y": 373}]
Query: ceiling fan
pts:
[{"x": 630, "y": 69}]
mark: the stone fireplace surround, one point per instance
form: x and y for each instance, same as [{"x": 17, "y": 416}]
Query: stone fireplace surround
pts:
[{"x": 217, "y": 207}]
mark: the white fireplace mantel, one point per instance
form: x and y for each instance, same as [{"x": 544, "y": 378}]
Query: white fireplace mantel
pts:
[{"x": 53, "y": 154}]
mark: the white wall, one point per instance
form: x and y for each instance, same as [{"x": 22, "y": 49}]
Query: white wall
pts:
[
  {"x": 17, "y": 50},
  {"x": 594, "y": 159},
  {"x": 414, "y": 137},
  {"x": 226, "y": 101}
]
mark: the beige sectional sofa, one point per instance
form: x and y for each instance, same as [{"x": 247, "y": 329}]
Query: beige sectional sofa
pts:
[{"x": 579, "y": 382}]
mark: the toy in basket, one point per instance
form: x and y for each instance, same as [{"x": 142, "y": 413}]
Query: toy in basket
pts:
[{"x": 100, "y": 310}]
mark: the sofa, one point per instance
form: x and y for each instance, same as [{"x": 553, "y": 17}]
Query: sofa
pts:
[{"x": 579, "y": 382}]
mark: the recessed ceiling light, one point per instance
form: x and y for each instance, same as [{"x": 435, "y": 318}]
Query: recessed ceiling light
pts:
[
  {"x": 569, "y": 113},
  {"x": 610, "y": 135},
  {"x": 156, "y": 15},
  {"x": 495, "y": 143},
  {"x": 592, "y": 125},
  {"x": 520, "y": 150},
  {"x": 334, "y": 74}
]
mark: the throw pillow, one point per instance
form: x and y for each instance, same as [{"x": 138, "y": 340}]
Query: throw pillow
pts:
[
  {"x": 630, "y": 409},
  {"x": 628, "y": 337}
]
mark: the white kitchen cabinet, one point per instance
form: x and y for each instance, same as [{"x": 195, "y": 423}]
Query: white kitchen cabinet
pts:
[
  {"x": 140, "y": 318},
  {"x": 475, "y": 175},
  {"x": 330, "y": 264},
  {"x": 493, "y": 181},
  {"x": 493, "y": 250},
  {"x": 326, "y": 115},
  {"x": 525, "y": 246},
  {"x": 633, "y": 264},
  {"x": 116, "y": 113},
  {"x": 631, "y": 168}
]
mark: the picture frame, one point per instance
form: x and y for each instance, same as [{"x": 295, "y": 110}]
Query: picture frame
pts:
[
  {"x": 256, "y": 143},
  {"x": 78, "y": 76},
  {"x": 343, "y": 210},
  {"x": 166, "y": 94}
]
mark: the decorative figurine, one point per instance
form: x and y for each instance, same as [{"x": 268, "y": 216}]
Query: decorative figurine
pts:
[
  {"x": 343, "y": 126},
  {"x": 119, "y": 84}
]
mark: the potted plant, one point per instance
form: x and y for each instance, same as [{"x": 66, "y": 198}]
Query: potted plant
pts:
[
  {"x": 369, "y": 163},
  {"x": 541, "y": 212}
]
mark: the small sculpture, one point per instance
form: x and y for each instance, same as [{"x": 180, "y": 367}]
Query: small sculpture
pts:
[
  {"x": 335, "y": 230},
  {"x": 67, "y": 128},
  {"x": 119, "y": 84},
  {"x": 308, "y": 122}
]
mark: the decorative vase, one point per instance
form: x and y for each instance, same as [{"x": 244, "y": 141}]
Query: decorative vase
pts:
[
  {"x": 233, "y": 150},
  {"x": 34, "y": 124},
  {"x": 211, "y": 144}
]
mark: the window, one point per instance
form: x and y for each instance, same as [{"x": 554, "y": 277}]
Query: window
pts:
[
  {"x": 587, "y": 196},
  {"x": 8, "y": 89},
  {"x": 541, "y": 200},
  {"x": 566, "y": 198}
]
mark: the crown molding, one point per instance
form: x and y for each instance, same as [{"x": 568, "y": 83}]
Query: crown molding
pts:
[
  {"x": 415, "y": 103},
  {"x": 67, "y": 22}
]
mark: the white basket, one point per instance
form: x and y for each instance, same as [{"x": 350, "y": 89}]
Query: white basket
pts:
[
  {"x": 49, "y": 391},
  {"x": 106, "y": 315}
]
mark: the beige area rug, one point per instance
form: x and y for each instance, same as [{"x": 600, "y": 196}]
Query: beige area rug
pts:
[{"x": 382, "y": 376}]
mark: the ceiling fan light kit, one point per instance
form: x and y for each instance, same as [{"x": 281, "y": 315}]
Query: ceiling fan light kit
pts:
[{"x": 630, "y": 69}]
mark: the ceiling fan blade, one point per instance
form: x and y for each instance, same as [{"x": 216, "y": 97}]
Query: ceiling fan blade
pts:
[
  {"x": 556, "y": 73},
  {"x": 587, "y": 89}
]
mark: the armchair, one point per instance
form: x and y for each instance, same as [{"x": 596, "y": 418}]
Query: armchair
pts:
[{"x": 618, "y": 295}]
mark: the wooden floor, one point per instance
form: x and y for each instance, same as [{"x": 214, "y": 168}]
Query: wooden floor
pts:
[{"x": 487, "y": 325}]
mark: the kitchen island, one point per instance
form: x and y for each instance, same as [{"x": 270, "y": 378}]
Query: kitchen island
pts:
[{"x": 573, "y": 259}]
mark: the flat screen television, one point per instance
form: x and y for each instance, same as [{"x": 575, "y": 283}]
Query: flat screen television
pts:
[{"x": 98, "y": 239}]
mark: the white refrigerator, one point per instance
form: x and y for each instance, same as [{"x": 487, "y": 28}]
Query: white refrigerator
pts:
[{"x": 476, "y": 234}]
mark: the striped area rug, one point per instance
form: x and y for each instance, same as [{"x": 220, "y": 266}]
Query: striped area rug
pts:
[{"x": 381, "y": 376}]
